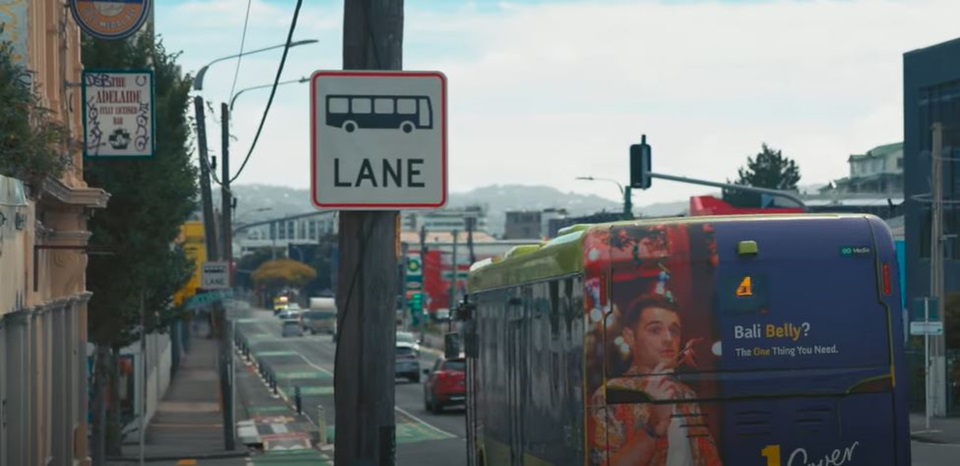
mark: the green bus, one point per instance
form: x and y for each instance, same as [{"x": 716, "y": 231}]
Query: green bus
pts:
[{"x": 760, "y": 340}]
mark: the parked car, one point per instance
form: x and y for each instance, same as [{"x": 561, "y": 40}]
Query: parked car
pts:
[
  {"x": 444, "y": 385},
  {"x": 410, "y": 339},
  {"x": 408, "y": 363},
  {"x": 291, "y": 328}
]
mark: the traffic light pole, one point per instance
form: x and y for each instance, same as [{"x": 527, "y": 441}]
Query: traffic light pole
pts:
[
  {"x": 736, "y": 187},
  {"x": 641, "y": 176}
]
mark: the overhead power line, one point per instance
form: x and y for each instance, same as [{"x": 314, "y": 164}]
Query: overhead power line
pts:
[{"x": 273, "y": 90}]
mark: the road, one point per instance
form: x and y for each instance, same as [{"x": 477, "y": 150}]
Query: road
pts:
[
  {"x": 932, "y": 454},
  {"x": 307, "y": 362}
]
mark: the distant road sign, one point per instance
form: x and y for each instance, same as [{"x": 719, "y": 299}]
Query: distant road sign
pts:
[
  {"x": 378, "y": 140},
  {"x": 926, "y": 328},
  {"x": 215, "y": 275}
]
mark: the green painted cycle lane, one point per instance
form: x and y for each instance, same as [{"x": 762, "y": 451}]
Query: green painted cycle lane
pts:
[{"x": 276, "y": 458}]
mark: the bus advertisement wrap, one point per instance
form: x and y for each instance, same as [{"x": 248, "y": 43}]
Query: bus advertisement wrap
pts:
[{"x": 697, "y": 353}]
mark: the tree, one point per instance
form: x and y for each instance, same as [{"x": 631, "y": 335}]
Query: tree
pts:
[
  {"x": 149, "y": 201},
  {"x": 33, "y": 145},
  {"x": 770, "y": 169},
  {"x": 248, "y": 264},
  {"x": 284, "y": 273}
]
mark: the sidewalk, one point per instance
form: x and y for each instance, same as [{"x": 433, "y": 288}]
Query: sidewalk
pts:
[
  {"x": 942, "y": 430},
  {"x": 188, "y": 424}
]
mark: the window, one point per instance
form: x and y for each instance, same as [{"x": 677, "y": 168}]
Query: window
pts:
[
  {"x": 361, "y": 105},
  {"x": 455, "y": 365},
  {"x": 383, "y": 106},
  {"x": 899, "y": 162},
  {"x": 406, "y": 106},
  {"x": 338, "y": 105}
]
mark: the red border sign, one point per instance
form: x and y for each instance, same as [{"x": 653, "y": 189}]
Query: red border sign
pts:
[{"x": 377, "y": 74}]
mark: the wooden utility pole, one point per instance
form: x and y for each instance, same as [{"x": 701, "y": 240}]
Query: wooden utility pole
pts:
[
  {"x": 213, "y": 254},
  {"x": 226, "y": 238},
  {"x": 364, "y": 376}
]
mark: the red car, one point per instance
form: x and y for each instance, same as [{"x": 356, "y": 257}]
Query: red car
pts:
[{"x": 444, "y": 385}]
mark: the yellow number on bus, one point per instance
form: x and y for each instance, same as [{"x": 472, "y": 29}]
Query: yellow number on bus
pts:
[
  {"x": 771, "y": 452},
  {"x": 745, "y": 289}
]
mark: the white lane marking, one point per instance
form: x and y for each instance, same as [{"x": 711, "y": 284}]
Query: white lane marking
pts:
[
  {"x": 401, "y": 410},
  {"x": 425, "y": 423}
]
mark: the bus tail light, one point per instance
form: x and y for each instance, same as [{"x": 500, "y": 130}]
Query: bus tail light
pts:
[{"x": 885, "y": 276}]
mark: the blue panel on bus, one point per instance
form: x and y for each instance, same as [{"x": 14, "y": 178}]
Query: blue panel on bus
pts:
[{"x": 821, "y": 308}]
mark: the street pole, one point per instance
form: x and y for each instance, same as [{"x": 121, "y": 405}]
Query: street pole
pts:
[
  {"x": 226, "y": 338},
  {"x": 210, "y": 235},
  {"x": 453, "y": 282},
  {"x": 628, "y": 202},
  {"x": 423, "y": 281},
  {"x": 145, "y": 373},
  {"x": 928, "y": 408},
  {"x": 937, "y": 362},
  {"x": 364, "y": 380},
  {"x": 402, "y": 277},
  {"x": 471, "y": 225}
]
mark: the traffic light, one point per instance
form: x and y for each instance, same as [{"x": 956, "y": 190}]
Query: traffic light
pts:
[
  {"x": 640, "y": 164},
  {"x": 416, "y": 304}
]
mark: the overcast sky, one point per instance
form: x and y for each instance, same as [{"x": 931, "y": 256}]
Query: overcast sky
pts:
[{"x": 544, "y": 91}]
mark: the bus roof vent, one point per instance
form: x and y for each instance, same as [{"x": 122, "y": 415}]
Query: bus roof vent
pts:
[
  {"x": 481, "y": 264},
  {"x": 573, "y": 228},
  {"x": 521, "y": 250}
]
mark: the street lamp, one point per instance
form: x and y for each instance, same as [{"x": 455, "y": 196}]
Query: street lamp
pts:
[
  {"x": 625, "y": 192},
  {"x": 264, "y": 86},
  {"x": 198, "y": 80}
]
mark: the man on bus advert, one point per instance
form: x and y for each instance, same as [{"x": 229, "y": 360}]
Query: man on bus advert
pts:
[{"x": 657, "y": 320}]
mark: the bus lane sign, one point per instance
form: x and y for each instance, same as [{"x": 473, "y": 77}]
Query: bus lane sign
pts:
[{"x": 378, "y": 140}]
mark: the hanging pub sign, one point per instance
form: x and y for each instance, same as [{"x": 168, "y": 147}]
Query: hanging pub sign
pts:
[
  {"x": 118, "y": 114},
  {"x": 111, "y": 19}
]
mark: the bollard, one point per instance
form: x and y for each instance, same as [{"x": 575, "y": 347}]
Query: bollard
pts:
[
  {"x": 297, "y": 400},
  {"x": 322, "y": 424}
]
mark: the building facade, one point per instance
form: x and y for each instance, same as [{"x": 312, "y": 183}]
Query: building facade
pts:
[
  {"x": 43, "y": 233},
  {"x": 280, "y": 233},
  {"x": 931, "y": 94},
  {"x": 446, "y": 220},
  {"x": 878, "y": 171}
]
